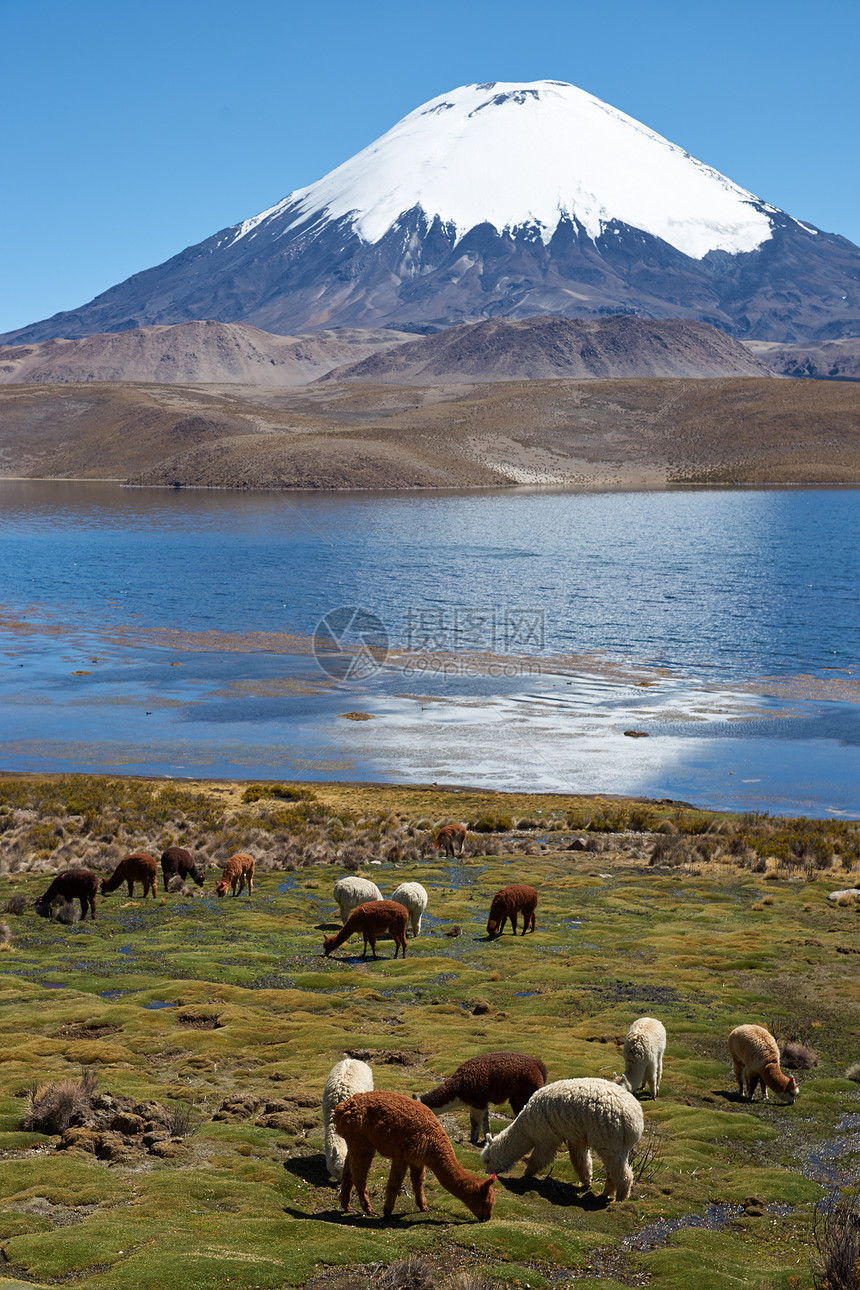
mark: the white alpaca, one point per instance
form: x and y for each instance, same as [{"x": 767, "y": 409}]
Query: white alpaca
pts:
[
  {"x": 644, "y": 1047},
  {"x": 414, "y": 897},
  {"x": 349, "y": 892},
  {"x": 348, "y": 1077},
  {"x": 587, "y": 1114}
]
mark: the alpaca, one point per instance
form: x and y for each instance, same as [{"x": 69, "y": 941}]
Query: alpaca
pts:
[
  {"x": 345, "y": 1079},
  {"x": 238, "y": 871},
  {"x": 71, "y": 884},
  {"x": 140, "y": 868},
  {"x": 493, "y": 1077},
  {"x": 373, "y": 919},
  {"x": 589, "y": 1115},
  {"x": 450, "y": 838},
  {"x": 755, "y": 1058},
  {"x": 644, "y": 1047},
  {"x": 412, "y": 1138},
  {"x": 507, "y": 903},
  {"x": 414, "y": 897},
  {"x": 351, "y": 891},
  {"x": 176, "y": 860}
]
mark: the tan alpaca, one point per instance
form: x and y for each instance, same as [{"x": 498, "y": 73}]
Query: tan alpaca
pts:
[
  {"x": 140, "y": 868},
  {"x": 451, "y": 839},
  {"x": 238, "y": 870},
  {"x": 374, "y": 919},
  {"x": 411, "y": 1137},
  {"x": 755, "y": 1058}
]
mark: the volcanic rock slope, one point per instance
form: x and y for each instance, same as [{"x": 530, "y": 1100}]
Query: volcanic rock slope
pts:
[{"x": 503, "y": 200}]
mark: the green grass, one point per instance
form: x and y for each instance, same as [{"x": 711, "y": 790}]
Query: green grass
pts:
[{"x": 247, "y": 1205}]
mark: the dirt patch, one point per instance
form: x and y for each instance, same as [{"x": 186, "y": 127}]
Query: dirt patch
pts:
[{"x": 387, "y": 1056}]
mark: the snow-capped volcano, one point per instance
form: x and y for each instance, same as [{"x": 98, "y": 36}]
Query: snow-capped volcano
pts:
[
  {"x": 525, "y": 157},
  {"x": 503, "y": 200}
]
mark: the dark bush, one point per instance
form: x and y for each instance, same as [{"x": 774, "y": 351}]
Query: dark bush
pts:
[
  {"x": 836, "y": 1237},
  {"x": 56, "y": 1106}
]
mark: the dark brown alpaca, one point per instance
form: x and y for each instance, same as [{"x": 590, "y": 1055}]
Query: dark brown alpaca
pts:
[
  {"x": 451, "y": 839},
  {"x": 71, "y": 884},
  {"x": 176, "y": 860},
  {"x": 412, "y": 1138},
  {"x": 238, "y": 870},
  {"x": 140, "y": 868},
  {"x": 507, "y": 903},
  {"x": 373, "y": 919},
  {"x": 492, "y": 1077}
]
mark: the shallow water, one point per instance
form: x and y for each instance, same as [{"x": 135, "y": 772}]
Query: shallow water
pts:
[{"x": 170, "y": 632}]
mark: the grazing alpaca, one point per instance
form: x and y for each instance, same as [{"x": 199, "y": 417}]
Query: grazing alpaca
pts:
[
  {"x": 644, "y": 1047},
  {"x": 176, "y": 860},
  {"x": 589, "y": 1115},
  {"x": 414, "y": 897},
  {"x": 238, "y": 870},
  {"x": 141, "y": 868},
  {"x": 351, "y": 892},
  {"x": 412, "y": 1138},
  {"x": 71, "y": 884},
  {"x": 493, "y": 1077},
  {"x": 755, "y": 1058},
  {"x": 345, "y": 1079},
  {"x": 451, "y": 839},
  {"x": 507, "y": 903},
  {"x": 374, "y": 919}
]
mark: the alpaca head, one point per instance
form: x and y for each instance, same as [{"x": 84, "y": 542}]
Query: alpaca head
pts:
[
  {"x": 104, "y": 889},
  {"x": 492, "y": 928},
  {"x": 221, "y": 889},
  {"x": 623, "y": 1081},
  {"x": 481, "y": 1204},
  {"x": 329, "y": 945},
  {"x": 43, "y": 907},
  {"x": 487, "y": 1156},
  {"x": 791, "y": 1091}
]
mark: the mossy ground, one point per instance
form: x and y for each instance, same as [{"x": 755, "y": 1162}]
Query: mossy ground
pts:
[{"x": 194, "y": 999}]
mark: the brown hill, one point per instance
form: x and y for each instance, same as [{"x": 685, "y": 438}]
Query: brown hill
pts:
[
  {"x": 192, "y": 352},
  {"x": 547, "y": 348},
  {"x": 836, "y": 360},
  {"x": 325, "y": 436}
]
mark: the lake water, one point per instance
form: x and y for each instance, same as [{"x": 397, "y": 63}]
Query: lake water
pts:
[{"x": 172, "y": 632}]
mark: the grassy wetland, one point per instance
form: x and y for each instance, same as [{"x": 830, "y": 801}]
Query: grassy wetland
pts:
[{"x": 182, "y": 1043}]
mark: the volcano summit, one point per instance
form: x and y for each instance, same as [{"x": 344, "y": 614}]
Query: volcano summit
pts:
[{"x": 503, "y": 200}]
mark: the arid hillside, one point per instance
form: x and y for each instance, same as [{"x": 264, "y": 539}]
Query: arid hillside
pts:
[
  {"x": 628, "y": 433},
  {"x": 190, "y": 352}
]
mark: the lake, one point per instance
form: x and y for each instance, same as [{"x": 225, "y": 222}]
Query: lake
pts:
[{"x": 505, "y": 639}]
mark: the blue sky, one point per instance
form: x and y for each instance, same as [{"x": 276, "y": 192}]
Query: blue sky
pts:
[{"x": 132, "y": 131}]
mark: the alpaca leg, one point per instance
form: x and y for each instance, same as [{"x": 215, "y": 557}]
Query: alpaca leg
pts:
[
  {"x": 372, "y": 940},
  {"x": 416, "y": 1174},
  {"x": 130, "y": 887},
  {"x": 355, "y": 1171},
  {"x": 393, "y": 1187},
  {"x": 477, "y": 1116},
  {"x": 659, "y": 1074},
  {"x": 651, "y": 1077},
  {"x": 514, "y": 921},
  {"x": 739, "y": 1074},
  {"x": 619, "y": 1176},
  {"x": 345, "y": 1186},
  {"x": 580, "y": 1158},
  {"x": 541, "y": 1157}
]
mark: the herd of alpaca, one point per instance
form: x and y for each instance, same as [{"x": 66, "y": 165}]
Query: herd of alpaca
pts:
[{"x": 583, "y": 1115}]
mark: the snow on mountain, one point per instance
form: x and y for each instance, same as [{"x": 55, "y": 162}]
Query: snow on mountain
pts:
[{"x": 526, "y": 155}]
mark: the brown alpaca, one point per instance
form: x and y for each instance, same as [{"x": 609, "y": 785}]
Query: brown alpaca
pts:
[
  {"x": 493, "y": 1077},
  {"x": 373, "y": 919},
  {"x": 71, "y": 884},
  {"x": 176, "y": 860},
  {"x": 755, "y": 1058},
  {"x": 450, "y": 838},
  {"x": 507, "y": 903},
  {"x": 141, "y": 868},
  {"x": 238, "y": 870},
  {"x": 412, "y": 1138}
]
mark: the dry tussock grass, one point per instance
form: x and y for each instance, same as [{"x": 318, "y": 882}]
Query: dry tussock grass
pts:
[{"x": 54, "y": 1107}]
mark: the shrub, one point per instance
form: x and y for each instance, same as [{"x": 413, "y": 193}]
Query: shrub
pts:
[
  {"x": 15, "y": 905},
  {"x": 413, "y": 1273},
  {"x": 492, "y": 824},
  {"x": 5, "y": 936},
  {"x": 285, "y": 792},
  {"x": 54, "y": 1107},
  {"x": 836, "y": 1237},
  {"x": 796, "y": 1056}
]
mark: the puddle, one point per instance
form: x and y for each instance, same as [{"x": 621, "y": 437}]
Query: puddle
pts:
[
  {"x": 825, "y": 1162},
  {"x": 158, "y": 1003},
  {"x": 54, "y": 985},
  {"x": 115, "y": 994},
  {"x": 715, "y": 1216},
  {"x": 526, "y": 994}
]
